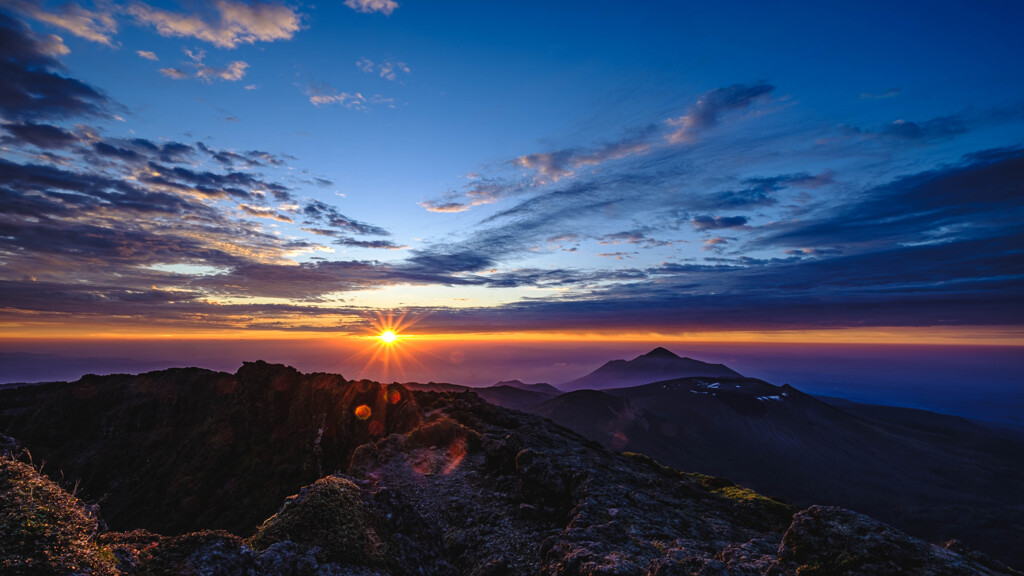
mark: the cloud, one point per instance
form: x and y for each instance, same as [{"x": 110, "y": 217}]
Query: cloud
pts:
[
  {"x": 884, "y": 95},
  {"x": 264, "y": 212},
  {"x": 321, "y": 94},
  {"x": 704, "y": 222},
  {"x": 44, "y": 136},
  {"x": 385, "y": 7},
  {"x": 617, "y": 255},
  {"x": 174, "y": 73},
  {"x": 383, "y": 244},
  {"x": 235, "y": 23},
  {"x": 96, "y": 26},
  {"x": 234, "y": 72},
  {"x": 147, "y": 55},
  {"x": 449, "y": 207},
  {"x": 317, "y": 211},
  {"x": 639, "y": 237},
  {"x": 388, "y": 70},
  {"x": 975, "y": 198},
  {"x": 32, "y": 87},
  {"x": 645, "y": 154},
  {"x": 715, "y": 244},
  {"x": 934, "y": 129},
  {"x": 562, "y": 163},
  {"x": 709, "y": 108}
]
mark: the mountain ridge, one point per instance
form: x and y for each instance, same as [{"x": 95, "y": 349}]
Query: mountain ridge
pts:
[{"x": 416, "y": 482}]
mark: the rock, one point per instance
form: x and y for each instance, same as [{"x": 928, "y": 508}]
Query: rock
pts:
[
  {"x": 330, "y": 517},
  {"x": 825, "y": 540}
]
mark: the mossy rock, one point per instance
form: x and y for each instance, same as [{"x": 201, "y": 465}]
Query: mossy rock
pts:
[
  {"x": 329, "y": 515},
  {"x": 43, "y": 529}
]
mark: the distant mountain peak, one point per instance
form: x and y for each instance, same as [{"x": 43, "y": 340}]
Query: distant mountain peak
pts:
[
  {"x": 660, "y": 352},
  {"x": 658, "y": 364}
]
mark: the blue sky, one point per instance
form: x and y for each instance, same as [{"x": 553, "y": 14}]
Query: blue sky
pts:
[{"x": 503, "y": 167}]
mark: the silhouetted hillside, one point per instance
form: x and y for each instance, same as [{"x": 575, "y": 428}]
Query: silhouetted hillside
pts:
[{"x": 658, "y": 364}]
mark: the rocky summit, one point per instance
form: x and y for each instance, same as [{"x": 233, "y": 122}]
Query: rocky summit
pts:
[{"x": 382, "y": 480}]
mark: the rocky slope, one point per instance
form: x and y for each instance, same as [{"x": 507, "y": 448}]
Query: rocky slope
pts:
[
  {"x": 443, "y": 483},
  {"x": 933, "y": 475}
]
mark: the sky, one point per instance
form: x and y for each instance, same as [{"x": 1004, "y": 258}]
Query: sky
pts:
[{"x": 848, "y": 173}]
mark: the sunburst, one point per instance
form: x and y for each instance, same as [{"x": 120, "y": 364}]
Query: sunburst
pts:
[{"x": 390, "y": 337}]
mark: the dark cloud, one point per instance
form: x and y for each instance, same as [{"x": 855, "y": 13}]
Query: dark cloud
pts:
[
  {"x": 437, "y": 262},
  {"x": 44, "y": 136},
  {"x": 123, "y": 154},
  {"x": 704, "y": 222},
  {"x": 317, "y": 211},
  {"x": 32, "y": 88},
  {"x": 384, "y": 244},
  {"x": 639, "y": 236},
  {"x": 979, "y": 198},
  {"x": 940, "y": 128},
  {"x": 246, "y": 159},
  {"x": 934, "y": 129}
]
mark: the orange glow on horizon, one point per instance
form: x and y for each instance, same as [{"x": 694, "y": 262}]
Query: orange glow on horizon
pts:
[{"x": 945, "y": 335}]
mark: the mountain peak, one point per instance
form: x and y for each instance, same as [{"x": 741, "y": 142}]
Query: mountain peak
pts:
[
  {"x": 658, "y": 364},
  {"x": 660, "y": 352}
]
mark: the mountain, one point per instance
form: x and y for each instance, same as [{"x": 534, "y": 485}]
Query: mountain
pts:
[
  {"x": 930, "y": 474},
  {"x": 412, "y": 482},
  {"x": 658, "y": 364},
  {"x": 542, "y": 387}
]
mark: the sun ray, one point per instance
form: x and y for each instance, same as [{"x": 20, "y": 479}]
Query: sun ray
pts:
[{"x": 392, "y": 344}]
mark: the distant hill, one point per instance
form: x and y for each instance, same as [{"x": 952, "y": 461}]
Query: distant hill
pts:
[
  {"x": 658, "y": 364},
  {"x": 542, "y": 387}
]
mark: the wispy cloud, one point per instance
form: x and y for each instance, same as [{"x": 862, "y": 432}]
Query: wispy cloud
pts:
[
  {"x": 385, "y": 7},
  {"x": 883, "y": 95},
  {"x": 655, "y": 140},
  {"x": 96, "y": 26},
  {"x": 264, "y": 212},
  {"x": 147, "y": 55},
  {"x": 174, "y": 73},
  {"x": 712, "y": 105},
  {"x": 387, "y": 69},
  {"x": 562, "y": 163},
  {"x": 232, "y": 23},
  {"x": 321, "y": 94},
  {"x": 232, "y": 72}
]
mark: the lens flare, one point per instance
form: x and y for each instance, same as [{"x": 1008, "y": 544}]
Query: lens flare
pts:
[
  {"x": 363, "y": 411},
  {"x": 388, "y": 336}
]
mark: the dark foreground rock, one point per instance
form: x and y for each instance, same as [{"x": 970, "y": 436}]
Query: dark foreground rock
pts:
[{"x": 477, "y": 490}]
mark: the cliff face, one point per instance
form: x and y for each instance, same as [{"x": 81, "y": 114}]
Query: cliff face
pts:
[{"x": 445, "y": 483}]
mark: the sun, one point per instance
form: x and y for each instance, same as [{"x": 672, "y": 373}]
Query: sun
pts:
[{"x": 388, "y": 336}]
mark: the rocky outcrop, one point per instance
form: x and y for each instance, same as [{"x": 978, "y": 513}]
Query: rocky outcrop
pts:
[{"x": 826, "y": 540}]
